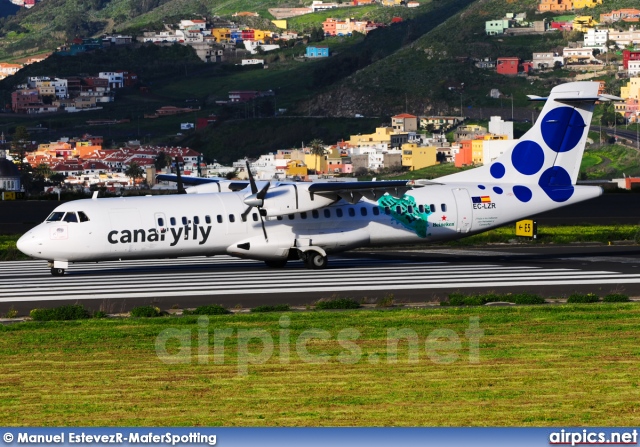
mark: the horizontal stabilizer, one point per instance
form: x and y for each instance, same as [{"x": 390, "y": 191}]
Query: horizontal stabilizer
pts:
[{"x": 187, "y": 180}]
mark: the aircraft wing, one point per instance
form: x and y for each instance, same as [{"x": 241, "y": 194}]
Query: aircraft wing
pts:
[
  {"x": 352, "y": 192},
  {"x": 187, "y": 180}
]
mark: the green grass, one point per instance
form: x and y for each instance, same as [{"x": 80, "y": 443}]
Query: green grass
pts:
[
  {"x": 8, "y": 249},
  {"x": 558, "y": 235},
  {"x": 564, "y": 365}
]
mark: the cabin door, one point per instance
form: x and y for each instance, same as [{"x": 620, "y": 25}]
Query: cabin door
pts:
[{"x": 464, "y": 217}]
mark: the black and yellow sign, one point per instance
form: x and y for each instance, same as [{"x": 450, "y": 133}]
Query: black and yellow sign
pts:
[
  {"x": 527, "y": 228},
  {"x": 13, "y": 195}
]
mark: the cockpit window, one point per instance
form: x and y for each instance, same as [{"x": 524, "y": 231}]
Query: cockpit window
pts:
[
  {"x": 83, "y": 217},
  {"x": 56, "y": 216},
  {"x": 70, "y": 217}
]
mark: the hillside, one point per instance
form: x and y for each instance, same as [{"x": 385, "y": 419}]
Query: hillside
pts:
[{"x": 417, "y": 77}]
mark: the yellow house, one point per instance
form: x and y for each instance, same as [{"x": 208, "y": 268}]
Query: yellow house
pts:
[
  {"x": 418, "y": 157},
  {"x": 631, "y": 90},
  {"x": 382, "y": 135},
  {"x": 221, "y": 34},
  {"x": 296, "y": 167},
  {"x": 282, "y": 24},
  {"x": 580, "y": 4},
  {"x": 316, "y": 162},
  {"x": 583, "y": 23},
  {"x": 477, "y": 152}
]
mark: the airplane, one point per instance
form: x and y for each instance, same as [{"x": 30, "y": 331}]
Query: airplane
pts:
[{"x": 278, "y": 222}]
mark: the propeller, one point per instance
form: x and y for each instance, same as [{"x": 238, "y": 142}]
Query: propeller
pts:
[
  {"x": 256, "y": 199},
  {"x": 181, "y": 189}
]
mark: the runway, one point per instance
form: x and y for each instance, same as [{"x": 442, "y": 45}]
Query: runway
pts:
[{"x": 411, "y": 275}]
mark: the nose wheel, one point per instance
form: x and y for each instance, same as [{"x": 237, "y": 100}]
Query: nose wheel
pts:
[{"x": 57, "y": 271}]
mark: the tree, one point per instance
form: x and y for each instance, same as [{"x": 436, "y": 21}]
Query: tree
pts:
[
  {"x": 162, "y": 161},
  {"x": 42, "y": 172},
  {"x": 134, "y": 171},
  {"x": 317, "y": 149}
]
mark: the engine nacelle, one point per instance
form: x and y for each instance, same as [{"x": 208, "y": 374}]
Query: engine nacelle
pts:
[
  {"x": 276, "y": 247},
  {"x": 293, "y": 198}
]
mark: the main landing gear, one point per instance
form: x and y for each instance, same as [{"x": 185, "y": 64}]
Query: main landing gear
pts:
[
  {"x": 57, "y": 271},
  {"x": 314, "y": 260}
]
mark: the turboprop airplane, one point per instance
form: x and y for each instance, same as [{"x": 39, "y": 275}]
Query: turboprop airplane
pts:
[{"x": 309, "y": 221}]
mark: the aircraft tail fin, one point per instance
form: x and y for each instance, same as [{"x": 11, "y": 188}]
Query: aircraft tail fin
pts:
[{"x": 549, "y": 154}]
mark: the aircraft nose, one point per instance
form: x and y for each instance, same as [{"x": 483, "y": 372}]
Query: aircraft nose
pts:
[{"x": 29, "y": 244}]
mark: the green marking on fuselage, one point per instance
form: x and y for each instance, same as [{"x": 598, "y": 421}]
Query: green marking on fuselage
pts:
[{"x": 414, "y": 220}]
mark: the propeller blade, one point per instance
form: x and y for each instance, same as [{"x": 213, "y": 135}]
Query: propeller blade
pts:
[
  {"x": 254, "y": 187},
  {"x": 264, "y": 230}
]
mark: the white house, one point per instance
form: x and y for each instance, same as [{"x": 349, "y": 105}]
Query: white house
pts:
[
  {"x": 596, "y": 37},
  {"x": 498, "y": 126}
]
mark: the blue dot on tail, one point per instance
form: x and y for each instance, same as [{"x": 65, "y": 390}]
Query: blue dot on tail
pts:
[
  {"x": 527, "y": 157},
  {"x": 481, "y": 186},
  {"x": 522, "y": 193},
  {"x": 562, "y": 129},
  {"x": 497, "y": 170},
  {"x": 497, "y": 190},
  {"x": 556, "y": 183}
]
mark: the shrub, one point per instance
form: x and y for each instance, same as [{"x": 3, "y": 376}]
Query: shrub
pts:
[
  {"x": 70, "y": 312},
  {"x": 276, "y": 308},
  {"x": 145, "y": 311},
  {"x": 99, "y": 314},
  {"x": 460, "y": 299},
  {"x": 525, "y": 298},
  {"x": 616, "y": 298},
  {"x": 583, "y": 298},
  {"x": 385, "y": 301},
  {"x": 212, "y": 309},
  {"x": 11, "y": 313},
  {"x": 338, "y": 303}
]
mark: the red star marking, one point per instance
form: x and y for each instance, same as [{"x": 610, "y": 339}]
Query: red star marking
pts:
[{"x": 444, "y": 217}]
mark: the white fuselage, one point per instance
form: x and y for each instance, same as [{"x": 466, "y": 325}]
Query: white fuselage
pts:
[{"x": 212, "y": 224}]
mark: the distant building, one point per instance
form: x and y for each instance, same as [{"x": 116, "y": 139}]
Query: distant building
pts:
[
  {"x": 9, "y": 174},
  {"x": 508, "y": 65},
  {"x": 317, "y": 52}
]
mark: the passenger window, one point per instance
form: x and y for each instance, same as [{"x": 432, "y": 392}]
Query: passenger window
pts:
[
  {"x": 83, "y": 217},
  {"x": 292, "y": 216},
  {"x": 398, "y": 209},
  {"x": 219, "y": 218},
  {"x": 196, "y": 220},
  {"x": 432, "y": 207},
  {"x": 339, "y": 212},
  {"x": 243, "y": 217},
  {"x": 443, "y": 207},
  {"x": 352, "y": 212},
  {"x": 421, "y": 209},
  {"x": 387, "y": 210},
  {"x": 363, "y": 211},
  {"x": 410, "y": 209},
  {"x": 303, "y": 215},
  {"x": 376, "y": 211},
  {"x": 207, "y": 219},
  {"x": 327, "y": 213},
  {"x": 184, "y": 220},
  {"x": 315, "y": 214},
  {"x": 160, "y": 222},
  {"x": 70, "y": 217},
  {"x": 232, "y": 218},
  {"x": 173, "y": 221},
  {"x": 255, "y": 217},
  {"x": 56, "y": 216}
]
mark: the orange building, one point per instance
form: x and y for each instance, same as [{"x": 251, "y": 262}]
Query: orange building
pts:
[
  {"x": 465, "y": 156},
  {"x": 555, "y": 5}
]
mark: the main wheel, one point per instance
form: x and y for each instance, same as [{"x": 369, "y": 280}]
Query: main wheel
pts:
[
  {"x": 315, "y": 260},
  {"x": 276, "y": 264},
  {"x": 57, "y": 271}
]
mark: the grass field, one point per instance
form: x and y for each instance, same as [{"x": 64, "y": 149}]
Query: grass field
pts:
[{"x": 547, "y": 365}]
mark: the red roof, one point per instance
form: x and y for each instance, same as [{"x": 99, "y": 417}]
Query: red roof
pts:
[{"x": 404, "y": 115}]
